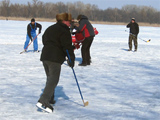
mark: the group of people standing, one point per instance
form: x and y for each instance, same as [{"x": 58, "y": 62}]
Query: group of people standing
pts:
[
  {"x": 57, "y": 43},
  {"x": 84, "y": 27}
]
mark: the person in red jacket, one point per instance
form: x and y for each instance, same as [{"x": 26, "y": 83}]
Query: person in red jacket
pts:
[{"x": 87, "y": 30}]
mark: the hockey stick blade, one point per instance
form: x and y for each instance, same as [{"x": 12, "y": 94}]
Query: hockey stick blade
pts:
[
  {"x": 149, "y": 40},
  {"x": 85, "y": 103},
  {"x": 22, "y": 52}
]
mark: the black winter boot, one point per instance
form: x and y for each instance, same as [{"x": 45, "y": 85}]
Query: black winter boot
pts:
[{"x": 83, "y": 64}]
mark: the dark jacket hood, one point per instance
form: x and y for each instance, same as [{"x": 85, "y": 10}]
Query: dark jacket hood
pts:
[{"x": 84, "y": 17}]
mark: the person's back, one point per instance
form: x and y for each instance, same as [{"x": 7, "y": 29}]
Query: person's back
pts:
[
  {"x": 85, "y": 27},
  {"x": 57, "y": 44},
  {"x": 55, "y": 38}
]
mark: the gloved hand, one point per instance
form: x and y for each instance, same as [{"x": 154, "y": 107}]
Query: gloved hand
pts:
[
  {"x": 31, "y": 39},
  {"x": 73, "y": 47},
  {"x": 71, "y": 64},
  {"x": 39, "y": 32}
]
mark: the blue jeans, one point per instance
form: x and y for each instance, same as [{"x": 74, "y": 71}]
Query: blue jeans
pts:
[{"x": 35, "y": 42}]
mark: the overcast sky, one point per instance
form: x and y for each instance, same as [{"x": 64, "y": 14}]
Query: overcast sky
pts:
[{"x": 104, "y": 4}]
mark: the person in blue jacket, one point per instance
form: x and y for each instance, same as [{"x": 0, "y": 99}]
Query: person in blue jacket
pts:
[{"x": 31, "y": 34}]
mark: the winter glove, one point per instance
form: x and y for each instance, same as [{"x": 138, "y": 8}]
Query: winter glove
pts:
[
  {"x": 71, "y": 64},
  {"x": 39, "y": 32},
  {"x": 73, "y": 47},
  {"x": 31, "y": 39}
]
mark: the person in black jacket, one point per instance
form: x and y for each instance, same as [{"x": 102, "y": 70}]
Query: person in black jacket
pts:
[
  {"x": 87, "y": 30},
  {"x": 134, "y": 30},
  {"x": 31, "y": 34},
  {"x": 56, "y": 40}
]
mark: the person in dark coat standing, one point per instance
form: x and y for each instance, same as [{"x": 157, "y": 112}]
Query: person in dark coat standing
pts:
[
  {"x": 56, "y": 40},
  {"x": 87, "y": 30},
  {"x": 31, "y": 34},
  {"x": 134, "y": 30}
]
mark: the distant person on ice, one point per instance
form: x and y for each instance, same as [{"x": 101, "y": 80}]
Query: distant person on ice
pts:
[
  {"x": 31, "y": 34},
  {"x": 134, "y": 30},
  {"x": 56, "y": 40},
  {"x": 87, "y": 30}
]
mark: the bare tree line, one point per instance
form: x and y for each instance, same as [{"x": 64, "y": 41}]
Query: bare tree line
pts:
[{"x": 49, "y": 10}]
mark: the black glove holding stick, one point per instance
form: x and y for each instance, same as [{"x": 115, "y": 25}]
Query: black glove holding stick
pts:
[
  {"x": 71, "y": 64},
  {"x": 39, "y": 31},
  {"x": 70, "y": 60}
]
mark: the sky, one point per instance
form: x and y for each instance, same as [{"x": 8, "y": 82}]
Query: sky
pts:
[{"x": 104, "y": 4}]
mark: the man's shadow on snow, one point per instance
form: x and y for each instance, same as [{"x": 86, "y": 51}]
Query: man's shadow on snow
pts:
[
  {"x": 59, "y": 93},
  {"x": 32, "y": 51},
  {"x": 124, "y": 49}
]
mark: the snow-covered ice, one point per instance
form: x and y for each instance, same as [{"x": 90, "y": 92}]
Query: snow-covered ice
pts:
[{"x": 119, "y": 85}]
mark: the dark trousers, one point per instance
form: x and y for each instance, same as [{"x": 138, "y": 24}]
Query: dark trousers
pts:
[
  {"x": 85, "y": 50},
  {"x": 134, "y": 38},
  {"x": 52, "y": 70}
]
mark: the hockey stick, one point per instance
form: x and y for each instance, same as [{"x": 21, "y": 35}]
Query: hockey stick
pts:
[
  {"x": 141, "y": 38},
  {"x": 144, "y": 40},
  {"x": 85, "y": 103},
  {"x": 29, "y": 44}
]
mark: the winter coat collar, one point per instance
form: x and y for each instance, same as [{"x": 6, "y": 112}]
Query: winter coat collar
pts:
[
  {"x": 63, "y": 25},
  {"x": 84, "y": 17}
]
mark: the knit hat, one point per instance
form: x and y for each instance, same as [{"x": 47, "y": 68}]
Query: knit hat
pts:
[
  {"x": 133, "y": 19},
  {"x": 64, "y": 16},
  {"x": 79, "y": 17},
  {"x": 32, "y": 20}
]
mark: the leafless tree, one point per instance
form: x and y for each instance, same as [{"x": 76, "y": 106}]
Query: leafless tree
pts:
[{"x": 36, "y": 8}]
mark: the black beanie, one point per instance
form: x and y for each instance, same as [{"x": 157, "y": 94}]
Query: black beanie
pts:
[
  {"x": 133, "y": 19},
  {"x": 32, "y": 20}
]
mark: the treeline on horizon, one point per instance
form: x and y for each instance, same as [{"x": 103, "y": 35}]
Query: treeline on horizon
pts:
[{"x": 39, "y": 9}]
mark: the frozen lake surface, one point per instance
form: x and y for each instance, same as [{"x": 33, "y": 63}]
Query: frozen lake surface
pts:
[{"x": 119, "y": 85}]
